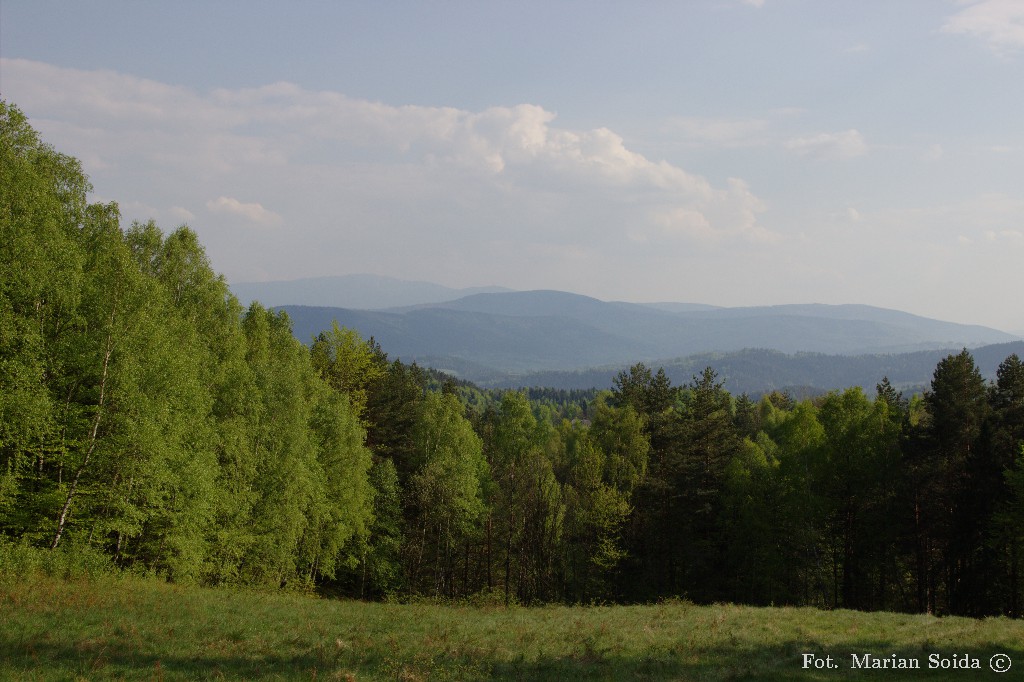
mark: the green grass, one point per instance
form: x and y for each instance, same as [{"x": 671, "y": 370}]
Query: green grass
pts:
[{"x": 104, "y": 628}]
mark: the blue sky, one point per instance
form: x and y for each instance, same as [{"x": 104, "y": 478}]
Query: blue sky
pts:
[{"x": 718, "y": 151}]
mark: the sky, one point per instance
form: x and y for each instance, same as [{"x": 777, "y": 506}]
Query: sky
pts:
[{"x": 729, "y": 152}]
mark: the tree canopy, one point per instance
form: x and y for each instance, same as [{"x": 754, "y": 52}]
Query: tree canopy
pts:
[{"x": 145, "y": 415}]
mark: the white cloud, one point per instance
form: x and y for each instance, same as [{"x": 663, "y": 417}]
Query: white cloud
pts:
[
  {"x": 1000, "y": 23},
  {"x": 500, "y": 195},
  {"x": 990, "y": 217},
  {"x": 382, "y": 171},
  {"x": 725, "y": 132},
  {"x": 842, "y": 145},
  {"x": 136, "y": 208},
  {"x": 142, "y": 212},
  {"x": 754, "y": 3},
  {"x": 846, "y": 217},
  {"x": 935, "y": 153},
  {"x": 684, "y": 221},
  {"x": 788, "y": 112},
  {"x": 1005, "y": 237},
  {"x": 734, "y": 218},
  {"x": 253, "y": 212},
  {"x": 181, "y": 214}
]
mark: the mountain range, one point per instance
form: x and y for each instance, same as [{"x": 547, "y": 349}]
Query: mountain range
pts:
[{"x": 501, "y": 337}]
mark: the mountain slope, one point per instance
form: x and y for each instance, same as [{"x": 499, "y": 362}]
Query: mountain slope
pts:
[
  {"x": 546, "y": 330},
  {"x": 846, "y": 329},
  {"x": 757, "y": 371},
  {"x": 499, "y": 342}
]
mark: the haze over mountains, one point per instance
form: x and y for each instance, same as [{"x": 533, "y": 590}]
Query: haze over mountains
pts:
[
  {"x": 758, "y": 371},
  {"x": 501, "y": 337},
  {"x": 362, "y": 292}
]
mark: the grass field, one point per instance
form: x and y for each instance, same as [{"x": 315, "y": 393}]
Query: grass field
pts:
[{"x": 111, "y": 628}]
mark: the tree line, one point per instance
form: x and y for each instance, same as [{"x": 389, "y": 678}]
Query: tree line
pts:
[
  {"x": 144, "y": 414},
  {"x": 843, "y": 501}
]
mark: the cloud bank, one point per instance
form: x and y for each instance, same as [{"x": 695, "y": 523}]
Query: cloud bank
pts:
[
  {"x": 253, "y": 213},
  {"x": 847, "y": 144},
  {"x": 1000, "y": 23},
  {"x": 355, "y": 182}
]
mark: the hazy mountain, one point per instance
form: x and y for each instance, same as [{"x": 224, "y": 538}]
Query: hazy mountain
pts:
[
  {"x": 845, "y": 329},
  {"x": 452, "y": 338},
  {"x": 360, "y": 292},
  {"x": 680, "y": 307},
  {"x": 490, "y": 334}
]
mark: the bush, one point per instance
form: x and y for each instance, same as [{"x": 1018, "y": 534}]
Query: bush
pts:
[{"x": 20, "y": 561}]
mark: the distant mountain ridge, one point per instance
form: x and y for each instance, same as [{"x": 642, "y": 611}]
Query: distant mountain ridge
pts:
[
  {"x": 842, "y": 329},
  {"x": 498, "y": 336},
  {"x": 358, "y": 292}
]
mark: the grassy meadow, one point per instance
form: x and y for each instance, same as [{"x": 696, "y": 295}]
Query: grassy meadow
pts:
[{"x": 113, "y": 628}]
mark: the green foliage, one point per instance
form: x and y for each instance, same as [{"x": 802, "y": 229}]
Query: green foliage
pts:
[
  {"x": 948, "y": 454},
  {"x": 142, "y": 416},
  {"x": 619, "y": 432},
  {"x": 347, "y": 364},
  {"x": 42, "y": 207},
  {"x": 380, "y": 570},
  {"x": 21, "y": 564},
  {"x": 527, "y": 505},
  {"x": 344, "y": 509},
  {"x": 393, "y": 408},
  {"x": 755, "y": 519},
  {"x": 860, "y": 461},
  {"x": 595, "y": 511},
  {"x": 446, "y": 492},
  {"x": 648, "y": 393},
  {"x": 147, "y": 422}
]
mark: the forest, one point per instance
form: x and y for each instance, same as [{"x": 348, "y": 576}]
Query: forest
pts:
[{"x": 145, "y": 415}]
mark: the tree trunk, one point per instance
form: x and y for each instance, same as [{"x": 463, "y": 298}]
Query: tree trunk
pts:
[
  {"x": 490, "y": 576},
  {"x": 62, "y": 518}
]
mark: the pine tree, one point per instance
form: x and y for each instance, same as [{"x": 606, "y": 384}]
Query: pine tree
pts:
[{"x": 950, "y": 500}]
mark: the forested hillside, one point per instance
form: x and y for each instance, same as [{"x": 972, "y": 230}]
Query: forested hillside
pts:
[
  {"x": 757, "y": 371},
  {"x": 145, "y": 415}
]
